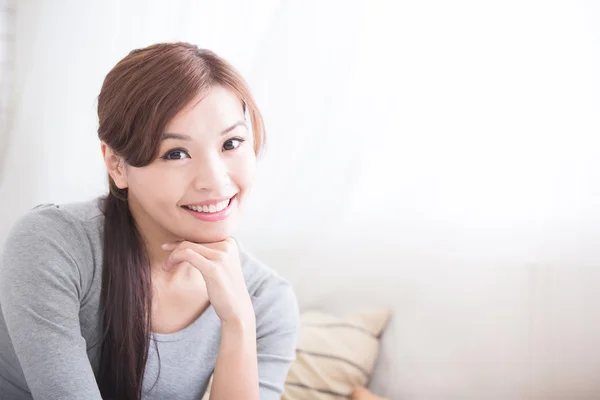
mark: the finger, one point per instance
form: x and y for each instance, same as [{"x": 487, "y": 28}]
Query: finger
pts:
[
  {"x": 200, "y": 248},
  {"x": 227, "y": 245},
  {"x": 198, "y": 261}
]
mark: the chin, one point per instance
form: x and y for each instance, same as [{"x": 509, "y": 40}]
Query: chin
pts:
[{"x": 216, "y": 234}]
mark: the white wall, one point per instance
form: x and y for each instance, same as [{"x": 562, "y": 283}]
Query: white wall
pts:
[
  {"x": 7, "y": 17},
  {"x": 451, "y": 145}
]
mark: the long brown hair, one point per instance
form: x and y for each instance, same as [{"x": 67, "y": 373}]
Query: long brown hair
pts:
[{"x": 139, "y": 96}]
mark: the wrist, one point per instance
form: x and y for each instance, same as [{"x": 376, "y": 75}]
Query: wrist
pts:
[{"x": 239, "y": 324}]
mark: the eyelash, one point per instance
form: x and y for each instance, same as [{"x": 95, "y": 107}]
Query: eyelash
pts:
[
  {"x": 237, "y": 139},
  {"x": 168, "y": 153}
]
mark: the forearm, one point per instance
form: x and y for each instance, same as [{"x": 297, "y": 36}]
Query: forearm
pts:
[{"x": 236, "y": 370}]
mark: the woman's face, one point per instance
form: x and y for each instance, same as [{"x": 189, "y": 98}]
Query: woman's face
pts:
[{"x": 196, "y": 187}]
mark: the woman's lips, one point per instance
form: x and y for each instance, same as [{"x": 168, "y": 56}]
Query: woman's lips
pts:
[{"x": 214, "y": 216}]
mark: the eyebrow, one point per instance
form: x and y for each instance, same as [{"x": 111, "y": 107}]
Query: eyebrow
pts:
[{"x": 181, "y": 136}]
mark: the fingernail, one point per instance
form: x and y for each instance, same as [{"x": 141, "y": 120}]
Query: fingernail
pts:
[
  {"x": 164, "y": 267},
  {"x": 165, "y": 246}
]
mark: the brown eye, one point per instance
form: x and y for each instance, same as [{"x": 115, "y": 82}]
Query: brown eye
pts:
[
  {"x": 177, "y": 154},
  {"x": 232, "y": 144}
]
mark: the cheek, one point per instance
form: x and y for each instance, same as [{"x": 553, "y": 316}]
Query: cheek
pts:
[
  {"x": 244, "y": 170},
  {"x": 155, "y": 185}
]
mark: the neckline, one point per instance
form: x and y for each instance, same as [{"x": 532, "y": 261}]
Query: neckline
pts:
[{"x": 180, "y": 334}]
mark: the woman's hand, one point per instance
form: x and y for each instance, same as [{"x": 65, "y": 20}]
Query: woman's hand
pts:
[{"x": 219, "y": 264}]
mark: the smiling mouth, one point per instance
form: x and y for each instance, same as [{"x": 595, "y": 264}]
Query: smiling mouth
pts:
[{"x": 210, "y": 209}]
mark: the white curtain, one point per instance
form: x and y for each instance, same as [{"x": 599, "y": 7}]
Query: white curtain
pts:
[
  {"x": 435, "y": 121},
  {"x": 451, "y": 146}
]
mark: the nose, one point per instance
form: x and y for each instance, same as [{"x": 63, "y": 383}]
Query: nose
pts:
[{"x": 211, "y": 174}]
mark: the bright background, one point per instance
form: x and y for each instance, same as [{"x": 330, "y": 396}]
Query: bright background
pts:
[{"x": 441, "y": 157}]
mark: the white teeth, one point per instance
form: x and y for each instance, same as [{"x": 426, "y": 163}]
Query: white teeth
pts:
[{"x": 213, "y": 208}]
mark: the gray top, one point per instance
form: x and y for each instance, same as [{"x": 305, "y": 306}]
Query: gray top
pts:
[{"x": 50, "y": 325}]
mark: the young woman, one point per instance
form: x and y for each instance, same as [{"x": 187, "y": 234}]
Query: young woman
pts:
[{"x": 143, "y": 293}]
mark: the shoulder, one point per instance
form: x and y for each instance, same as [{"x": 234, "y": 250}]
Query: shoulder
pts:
[
  {"x": 63, "y": 224},
  {"x": 260, "y": 279},
  {"x": 272, "y": 295},
  {"x": 52, "y": 236}
]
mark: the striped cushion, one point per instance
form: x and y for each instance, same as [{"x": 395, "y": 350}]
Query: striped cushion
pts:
[{"x": 334, "y": 354}]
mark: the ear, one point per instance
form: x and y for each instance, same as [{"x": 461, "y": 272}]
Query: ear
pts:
[{"x": 115, "y": 166}]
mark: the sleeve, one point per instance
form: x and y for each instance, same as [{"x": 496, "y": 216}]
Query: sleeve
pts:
[
  {"x": 277, "y": 322},
  {"x": 40, "y": 291}
]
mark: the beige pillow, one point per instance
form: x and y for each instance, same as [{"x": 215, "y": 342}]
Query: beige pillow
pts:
[{"x": 335, "y": 354}]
